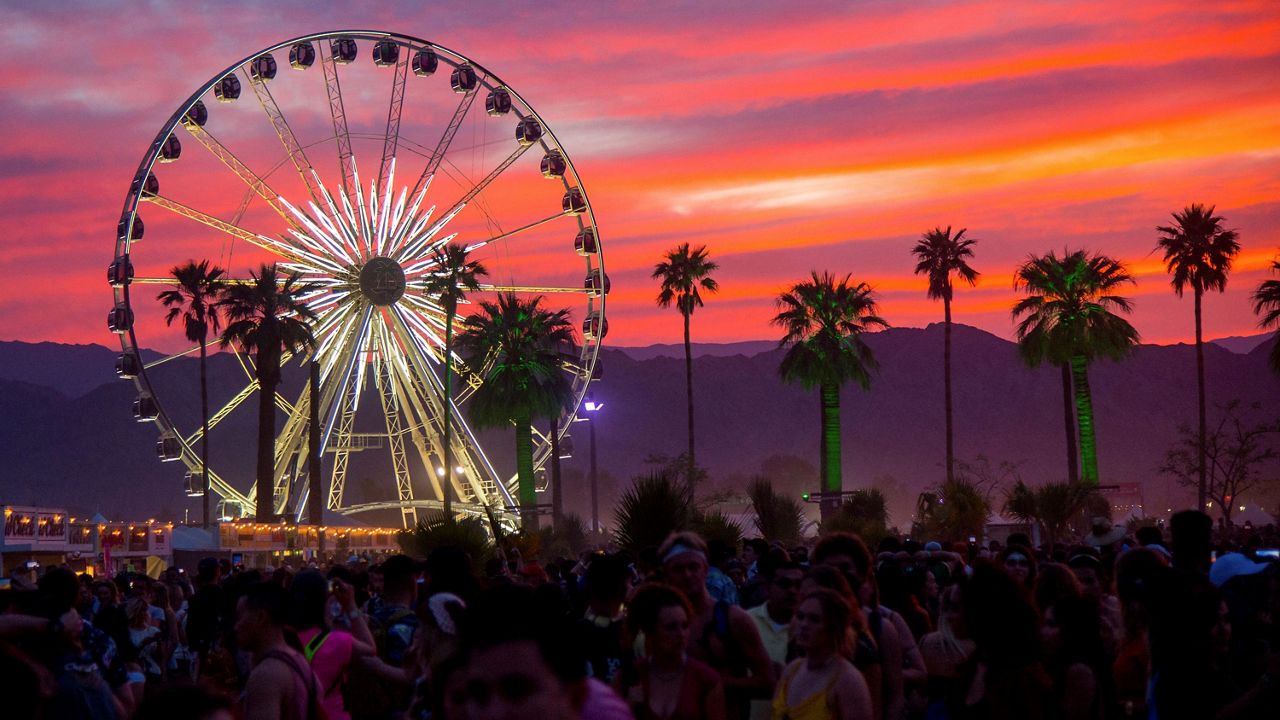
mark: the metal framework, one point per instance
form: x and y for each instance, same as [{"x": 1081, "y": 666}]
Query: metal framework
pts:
[{"x": 365, "y": 249}]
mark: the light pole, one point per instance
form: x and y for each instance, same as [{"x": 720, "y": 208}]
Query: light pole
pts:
[{"x": 592, "y": 407}]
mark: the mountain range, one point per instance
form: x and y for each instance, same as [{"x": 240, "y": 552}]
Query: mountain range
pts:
[{"x": 69, "y": 438}]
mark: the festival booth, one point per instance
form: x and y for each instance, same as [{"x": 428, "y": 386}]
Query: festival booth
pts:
[
  {"x": 270, "y": 545},
  {"x": 50, "y": 536}
]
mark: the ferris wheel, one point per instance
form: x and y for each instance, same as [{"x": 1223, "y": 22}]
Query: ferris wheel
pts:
[{"x": 349, "y": 157}]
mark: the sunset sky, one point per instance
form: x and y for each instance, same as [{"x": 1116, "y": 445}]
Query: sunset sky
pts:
[{"x": 784, "y": 136}]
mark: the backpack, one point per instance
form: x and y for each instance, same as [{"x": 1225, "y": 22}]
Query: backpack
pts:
[{"x": 367, "y": 694}]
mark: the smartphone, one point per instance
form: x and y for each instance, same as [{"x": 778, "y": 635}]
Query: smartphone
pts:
[{"x": 6, "y": 584}]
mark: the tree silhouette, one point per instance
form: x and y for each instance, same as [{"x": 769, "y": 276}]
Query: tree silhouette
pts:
[
  {"x": 1067, "y": 317},
  {"x": 685, "y": 275},
  {"x": 941, "y": 255},
  {"x": 267, "y": 317},
  {"x": 194, "y": 299},
  {"x": 1198, "y": 252},
  {"x": 824, "y": 319}
]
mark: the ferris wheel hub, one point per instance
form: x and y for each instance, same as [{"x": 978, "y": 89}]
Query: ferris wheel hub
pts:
[{"x": 382, "y": 281}]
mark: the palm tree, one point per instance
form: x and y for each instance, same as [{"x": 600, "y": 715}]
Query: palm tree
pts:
[
  {"x": 824, "y": 319},
  {"x": 685, "y": 274},
  {"x": 1052, "y": 506},
  {"x": 519, "y": 340},
  {"x": 1266, "y": 303},
  {"x": 454, "y": 276},
  {"x": 941, "y": 255},
  {"x": 778, "y": 517},
  {"x": 267, "y": 316},
  {"x": 194, "y": 298},
  {"x": 958, "y": 509},
  {"x": 1067, "y": 318},
  {"x": 1198, "y": 252}
]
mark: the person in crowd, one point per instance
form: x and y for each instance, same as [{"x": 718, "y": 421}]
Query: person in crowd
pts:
[
  {"x": 518, "y": 664},
  {"x": 723, "y": 635},
  {"x": 281, "y": 685},
  {"x": 899, "y": 657},
  {"x": 1192, "y": 534},
  {"x": 823, "y": 684},
  {"x": 1189, "y": 636},
  {"x": 782, "y": 579},
  {"x": 328, "y": 650},
  {"x": 1020, "y": 562},
  {"x": 435, "y": 645},
  {"x": 602, "y": 627},
  {"x": 719, "y": 584},
  {"x": 385, "y": 687},
  {"x": 666, "y": 683},
  {"x": 1055, "y": 582},
  {"x": 945, "y": 652},
  {"x": 203, "y": 609},
  {"x": 1136, "y": 571},
  {"x": 1076, "y": 657},
  {"x": 894, "y": 581},
  {"x": 1005, "y": 678},
  {"x": 146, "y": 647}
]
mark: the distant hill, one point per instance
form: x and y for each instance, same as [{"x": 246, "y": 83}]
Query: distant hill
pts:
[
  {"x": 1243, "y": 344},
  {"x": 676, "y": 350},
  {"x": 68, "y": 436}
]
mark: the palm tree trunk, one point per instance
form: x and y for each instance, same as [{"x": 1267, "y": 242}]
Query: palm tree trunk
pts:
[
  {"x": 447, "y": 490},
  {"x": 265, "y": 512},
  {"x": 688, "y": 383},
  {"x": 1202, "y": 488},
  {"x": 204, "y": 432},
  {"x": 1069, "y": 418},
  {"x": 831, "y": 479},
  {"x": 946, "y": 383},
  {"x": 557, "y": 494},
  {"x": 524, "y": 473},
  {"x": 1084, "y": 418}
]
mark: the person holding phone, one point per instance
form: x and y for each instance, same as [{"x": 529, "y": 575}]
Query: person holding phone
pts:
[{"x": 329, "y": 651}]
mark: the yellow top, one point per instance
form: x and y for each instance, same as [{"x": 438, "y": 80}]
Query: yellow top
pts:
[{"x": 813, "y": 707}]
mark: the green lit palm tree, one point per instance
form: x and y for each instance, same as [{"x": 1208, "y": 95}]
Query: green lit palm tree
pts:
[
  {"x": 1068, "y": 317},
  {"x": 685, "y": 275},
  {"x": 1266, "y": 304},
  {"x": 194, "y": 298},
  {"x": 941, "y": 255},
  {"x": 520, "y": 341},
  {"x": 824, "y": 319},
  {"x": 1198, "y": 252},
  {"x": 454, "y": 276},
  {"x": 267, "y": 317}
]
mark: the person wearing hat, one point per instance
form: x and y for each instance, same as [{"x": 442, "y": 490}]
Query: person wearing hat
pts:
[
  {"x": 1102, "y": 533},
  {"x": 1233, "y": 565}
]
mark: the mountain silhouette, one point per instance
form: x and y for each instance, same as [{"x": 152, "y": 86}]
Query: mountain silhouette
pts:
[{"x": 70, "y": 440}]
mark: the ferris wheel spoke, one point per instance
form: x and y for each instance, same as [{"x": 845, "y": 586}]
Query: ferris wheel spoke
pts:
[
  {"x": 531, "y": 289},
  {"x": 442, "y": 147},
  {"x": 517, "y": 231},
  {"x": 478, "y": 471},
  {"x": 271, "y": 245},
  {"x": 292, "y": 148},
  {"x": 338, "y": 113},
  {"x": 175, "y": 356},
  {"x": 221, "y": 413},
  {"x": 392, "y": 136},
  {"x": 242, "y": 171}
]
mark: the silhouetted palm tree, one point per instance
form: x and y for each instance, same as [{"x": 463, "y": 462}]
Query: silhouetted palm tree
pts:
[
  {"x": 1266, "y": 303},
  {"x": 267, "y": 317},
  {"x": 941, "y": 255},
  {"x": 1052, "y": 506},
  {"x": 520, "y": 341},
  {"x": 450, "y": 281},
  {"x": 1067, "y": 318},
  {"x": 197, "y": 289},
  {"x": 824, "y": 320},
  {"x": 1198, "y": 252},
  {"x": 685, "y": 274}
]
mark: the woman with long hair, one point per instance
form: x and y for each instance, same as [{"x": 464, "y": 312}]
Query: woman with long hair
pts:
[
  {"x": 865, "y": 654},
  {"x": 666, "y": 683},
  {"x": 822, "y": 685}
]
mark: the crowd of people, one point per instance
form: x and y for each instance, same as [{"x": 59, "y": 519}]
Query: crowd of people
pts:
[{"x": 1157, "y": 625}]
